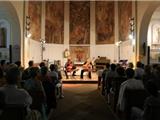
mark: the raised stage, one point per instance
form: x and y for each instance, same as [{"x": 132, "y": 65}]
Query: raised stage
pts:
[{"x": 77, "y": 79}]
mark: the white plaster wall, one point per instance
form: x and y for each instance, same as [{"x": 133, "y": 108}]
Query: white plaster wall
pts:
[
  {"x": 19, "y": 6},
  {"x": 127, "y": 51},
  {"x": 54, "y": 52},
  {"x": 108, "y": 51},
  {"x": 34, "y": 51}
]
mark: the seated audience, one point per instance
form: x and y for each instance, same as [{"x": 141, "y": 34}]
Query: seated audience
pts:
[
  {"x": 3, "y": 64},
  {"x": 56, "y": 78},
  {"x": 70, "y": 67},
  {"x": 2, "y": 78},
  {"x": 104, "y": 74},
  {"x": 147, "y": 74},
  {"x": 120, "y": 78},
  {"x": 36, "y": 90},
  {"x": 26, "y": 73},
  {"x": 42, "y": 64},
  {"x": 87, "y": 67},
  {"x": 12, "y": 95},
  {"x": 49, "y": 88},
  {"x": 139, "y": 71},
  {"x": 130, "y": 83},
  {"x": 151, "y": 106},
  {"x": 110, "y": 76},
  {"x": 156, "y": 76},
  {"x": 130, "y": 65}
]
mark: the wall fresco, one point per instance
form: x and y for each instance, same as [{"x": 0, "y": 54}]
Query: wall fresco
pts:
[
  {"x": 124, "y": 14},
  {"x": 54, "y": 22},
  {"x": 105, "y": 22},
  {"x": 80, "y": 22},
  {"x": 34, "y": 11}
]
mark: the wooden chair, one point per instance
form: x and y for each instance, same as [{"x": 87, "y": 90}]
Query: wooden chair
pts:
[
  {"x": 13, "y": 112},
  {"x": 134, "y": 98}
]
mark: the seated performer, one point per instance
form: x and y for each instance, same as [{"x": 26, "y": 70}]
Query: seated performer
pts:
[
  {"x": 87, "y": 67},
  {"x": 69, "y": 67}
]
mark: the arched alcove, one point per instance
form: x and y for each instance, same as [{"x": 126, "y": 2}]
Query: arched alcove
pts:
[
  {"x": 143, "y": 31},
  {"x": 9, "y": 19}
]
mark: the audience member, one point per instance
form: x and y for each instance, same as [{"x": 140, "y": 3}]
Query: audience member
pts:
[
  {"x": 49, "y": 88},
  {"x": 130, "y": 65},
  {"x": 2, "y": 78},
  {"x": 151, "y": 104},
  {"x": 130, "y": 83},
  {"x": 56, "y": 78},
  {"x": 26, "y": 73},
  {"x": 12, "y": 94},
  {"x": 147, "y": 74},
  {"x": 108, "y": 79},
  {"x": 36, "y": 90},
  {"x": 104, "y": 74},
  {"x": 139, "y": 71}
]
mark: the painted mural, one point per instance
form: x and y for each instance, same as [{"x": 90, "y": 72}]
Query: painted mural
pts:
[
  {"x": 124, "y": 14},
  {"x": 80, "y": 53},
  {"x": 105, "y": 22},
  {"x": 34, "y": 11},
  {"x": 54, "y": 22},
  {"x": 79, "y": 22}
]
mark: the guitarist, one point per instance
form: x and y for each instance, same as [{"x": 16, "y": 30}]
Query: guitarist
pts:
[
  {"x": 69, "y": 67},
  {"x": 87, "y": 67}
]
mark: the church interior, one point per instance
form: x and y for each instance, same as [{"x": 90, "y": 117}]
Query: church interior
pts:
[{"x": 101, "y": 54}]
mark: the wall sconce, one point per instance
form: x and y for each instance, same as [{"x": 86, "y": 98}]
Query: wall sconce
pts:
[
  {"x": 131, "y": 28},
  {"x": 118, "y": 45},
  {"x": 42, "y": 41},
  {"x": 28, "y": 21}
]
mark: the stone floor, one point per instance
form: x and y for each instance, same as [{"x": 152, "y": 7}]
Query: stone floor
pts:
[{"x": 82, "y": 102}]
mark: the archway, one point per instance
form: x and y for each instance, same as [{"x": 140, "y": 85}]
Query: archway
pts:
[
  {"x": 154, "y": 37},
  {"x": 143, "y": 31},
  {"x": 9, "y": 19}
]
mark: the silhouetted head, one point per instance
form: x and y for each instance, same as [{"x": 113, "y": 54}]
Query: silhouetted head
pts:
[
  {"x": 107, "y": 65},
  {"x": 34, "y": 71},
  {"x": 12, "y": 75},
  {"x": 113, "y": 67},
  {"x": 44, "y": 70},
  {"x": 130, "y": 65},
  {"x": 1, "y": 72},
  {"x": 130, "y": 73},
  {"x": 30, "y": 63},
  {"x": 42, "y": 64},
  {"x": 18, "y": 63},
  {"x": 3, "y": 62},
  {"x": 139, "y": 64},
  {"x": 53, "y": 67},
  {"x": 120, "y": 71}
]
